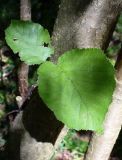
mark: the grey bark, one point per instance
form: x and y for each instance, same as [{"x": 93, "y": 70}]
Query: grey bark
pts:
[
  {"x": 64, "y": 30},
  {"x": 95, "y": 27},
  {"x": 63, "y": 35},
  {"x": 25, "y": 10},
  {"x": 84, "y": 24},
  {"x": 90, "y": 25}
]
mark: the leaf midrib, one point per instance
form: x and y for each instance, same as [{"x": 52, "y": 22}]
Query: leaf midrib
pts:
[{"x": 77, "y": 91}]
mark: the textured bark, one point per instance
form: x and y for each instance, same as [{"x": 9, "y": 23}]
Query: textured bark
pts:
[
  {"x": 25, "y": 10},
  {"x": 96, "y": 25},
  {"x": 86, "y": 24},
  {"x": 16, "y": 128},
  {"x": 88, "y": 27},
  {"x": 63, "y": 35},
  {"x": 64, "y": 30},
  {"x": 25, "y": 14},
  {"x": 23, "y": 81}
]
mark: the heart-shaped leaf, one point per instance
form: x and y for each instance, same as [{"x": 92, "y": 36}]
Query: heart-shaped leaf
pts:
[
  {"x": 29, "y": 39},
  {"x": 79, "y": 88}
]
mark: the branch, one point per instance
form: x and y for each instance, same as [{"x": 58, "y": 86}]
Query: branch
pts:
[
  {"x": 95, "y": 25},
  {"x": 102, "y": 145},
  {"x": 93, "y": 31},
  {"x": 85, "y": 24},
  {"x": 25, "y": 14},
  {"x": 25, "y": 10}
]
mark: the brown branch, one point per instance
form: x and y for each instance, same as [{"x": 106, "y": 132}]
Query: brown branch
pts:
[
  {"x": 25, "y": 14},
  {"x": 16, "y": 127},
  {"x": 36, "y": 119}
]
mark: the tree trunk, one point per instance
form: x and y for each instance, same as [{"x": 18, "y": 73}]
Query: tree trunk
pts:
[
  {"x": 95, "y": 25},
  {"x": 86, "y": 24},
  {"x": 90, "y": 24},
  {"x": 94, "y": 28}
]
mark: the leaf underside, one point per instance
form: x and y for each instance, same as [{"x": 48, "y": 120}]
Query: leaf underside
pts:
[
  {"x": 29, "y": 39},
  {"x": 79, "y": 88}
]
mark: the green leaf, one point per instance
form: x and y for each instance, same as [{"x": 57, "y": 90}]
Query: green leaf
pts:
[
  {"x": 79, "y": 88},
  {"x": 29, "y": 39}
]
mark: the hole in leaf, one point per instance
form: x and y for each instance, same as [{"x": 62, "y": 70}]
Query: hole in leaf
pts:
[
  {"x": 15, "y": 39},
  {"x": 45, "y": 44}
]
